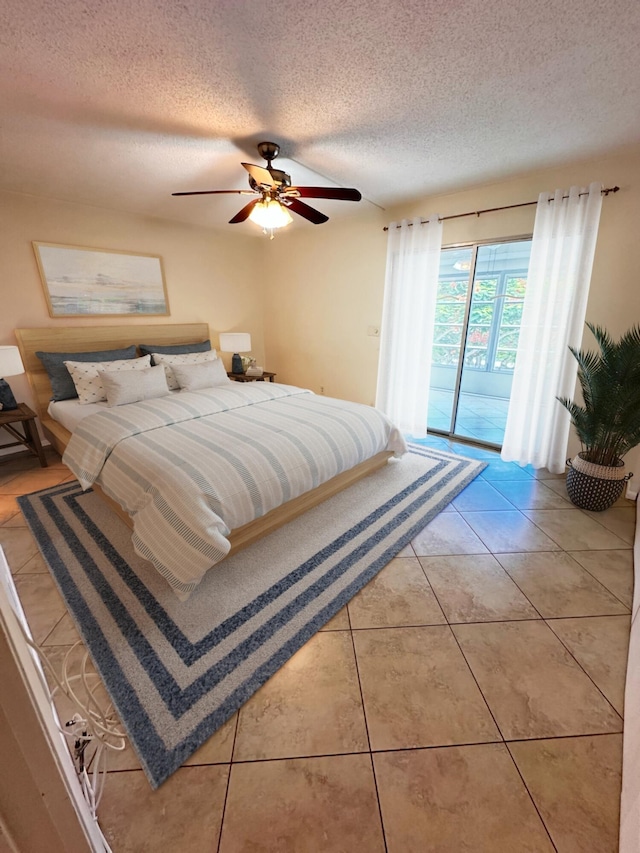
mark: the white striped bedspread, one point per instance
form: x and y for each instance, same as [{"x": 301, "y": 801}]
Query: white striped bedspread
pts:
[{"x": 191, "y": 467}]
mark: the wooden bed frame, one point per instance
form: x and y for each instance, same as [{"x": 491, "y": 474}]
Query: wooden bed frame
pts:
[{"x": 89, "y": 338}]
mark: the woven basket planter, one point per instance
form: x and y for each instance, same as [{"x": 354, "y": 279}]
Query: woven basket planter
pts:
[{"x": 595, "y": 487}]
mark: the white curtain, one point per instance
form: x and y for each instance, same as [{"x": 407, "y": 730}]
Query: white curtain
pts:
[
  {"x": 564, "y": 241},
  {"x": 406, "y": 336}
]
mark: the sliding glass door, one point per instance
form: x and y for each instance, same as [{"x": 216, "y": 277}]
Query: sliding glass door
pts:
[{"x": 479, "y": 309}]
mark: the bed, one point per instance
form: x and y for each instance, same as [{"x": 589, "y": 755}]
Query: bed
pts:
[{"x": 237, "y": 406}]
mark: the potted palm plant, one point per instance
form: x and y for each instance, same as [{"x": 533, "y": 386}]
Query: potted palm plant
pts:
[{"x": 608, "y": 424}]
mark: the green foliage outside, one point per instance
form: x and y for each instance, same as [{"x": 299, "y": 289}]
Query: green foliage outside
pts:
[{"x": 488, "y": 314}]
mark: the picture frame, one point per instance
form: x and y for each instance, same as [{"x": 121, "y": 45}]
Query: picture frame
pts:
[{"x": 80, "y": 281}]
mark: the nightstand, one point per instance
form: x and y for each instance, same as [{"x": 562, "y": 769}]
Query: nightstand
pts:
[
  {"x": 242, "y": 377},
  {"x": 31, "y": 439}
]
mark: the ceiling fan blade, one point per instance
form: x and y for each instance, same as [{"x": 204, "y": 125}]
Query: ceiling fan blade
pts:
[
  {"x": 307, "y": 212},
  {"x": 243, "y": 214},
  {"x": 342, "y": 194},
  {"x": 261, "y": 176},
  {"x": 215, "y": 192}
]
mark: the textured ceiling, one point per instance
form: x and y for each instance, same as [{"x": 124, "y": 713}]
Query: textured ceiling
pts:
[{"x": 118, "y": 103}]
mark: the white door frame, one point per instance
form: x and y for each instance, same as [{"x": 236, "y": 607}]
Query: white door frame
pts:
[{"x": 42, "y": 807}]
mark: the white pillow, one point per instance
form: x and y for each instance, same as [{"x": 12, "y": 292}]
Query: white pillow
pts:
[
  {"x": 207, "y": 374},
  {"x": 132, "y": 386},
  {"x": 87, "y": 381},
  {"x": 169, "y": 359}
]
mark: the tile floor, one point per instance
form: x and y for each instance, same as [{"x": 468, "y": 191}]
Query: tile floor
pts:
[
  {"x": 469, "y": 698},
  {"x": 479, "y": 416}
]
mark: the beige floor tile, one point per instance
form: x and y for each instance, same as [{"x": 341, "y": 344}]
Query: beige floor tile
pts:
[
  {"x": 304, "y": 805},
  {"x": 35, "y": 566},
  {"x": 476, "y": 589},
  {"x": 448, "y": 533},
  {"x": 399, "y": 595},
  {"x": 545, "y": 474},
  {"x": 600, "y": 645},
  {"x": 418, "y": 690},
  {"x": 620, "y": 520},
  {"x": 33, "y": 481},
  {"x": 42, "y": 603},
  {"x": 64, "y": 633},
  {"x": 18, "y": 545},
  {"x": 14, "y": 519},
  {"x": 8, "y": 508},
  {"x": 558, "y": 485},
  {"x": 575, "y": 783},
  {"x": 458, "y": 798},
  {"x": 623, "y": 500},
  {"x": 614, "y": 569},
  {"x": 531, "y": 683},
  {"x": 340, "y": 621},
  {"x": 531, "y": 494},
  {"x": 218, "y": 748},
  {"x": 558, "y": 586},
  {"x": 508, "y": 531},
  {"x": 480, "y": 495},
  {"x": 500, "y": 470},
  {"x": 425, "y": 683},
  {"x": 4, "y": 843},
  {"x": 573, "y": 530},
  {"x": 311, "y": 706},
  {"x": 185, "y": 813},
  {"x": 55, "y": 655}
]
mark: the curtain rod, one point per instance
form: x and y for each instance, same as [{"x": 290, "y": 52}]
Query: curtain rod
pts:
[{"x": 604, "y": 192}]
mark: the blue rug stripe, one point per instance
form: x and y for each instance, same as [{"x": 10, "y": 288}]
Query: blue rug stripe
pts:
[
  {"x": 192, "y": 652},
  {"x": 178, "y": 701},
  {"x": 245, "y": 691},
  {"x": 132, "y": 713},
  {"x": 158, "y": 761}
]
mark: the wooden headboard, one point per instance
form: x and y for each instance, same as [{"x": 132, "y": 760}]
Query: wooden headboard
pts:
[{"x": 88, "y": 339}]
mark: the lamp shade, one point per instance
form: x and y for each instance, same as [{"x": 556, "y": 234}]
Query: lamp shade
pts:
[
  {"x": 10, "y": 361},
  {"x": 235, "y": 342},
  {"x": 270, "y": 214}
]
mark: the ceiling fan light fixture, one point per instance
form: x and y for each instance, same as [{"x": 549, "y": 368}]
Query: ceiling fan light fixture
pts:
[
  {"x": 269, "y": 214},
  {"x": 277, "y": 197}
]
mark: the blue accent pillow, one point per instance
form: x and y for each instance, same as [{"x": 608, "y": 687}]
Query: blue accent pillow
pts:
[
  {"x": 61, "y": 382},
  {"x": 176, "y": 349}
]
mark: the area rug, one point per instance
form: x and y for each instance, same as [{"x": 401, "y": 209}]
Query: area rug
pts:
[{"x": 176, "y": 671}]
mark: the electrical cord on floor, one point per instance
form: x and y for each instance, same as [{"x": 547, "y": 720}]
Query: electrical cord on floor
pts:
[{"x": 92, "y": 724}]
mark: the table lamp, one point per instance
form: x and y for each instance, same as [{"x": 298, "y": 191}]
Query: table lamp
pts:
[
  {"x": 235, "y": 342},
  {"x": 10, "y": 365}
]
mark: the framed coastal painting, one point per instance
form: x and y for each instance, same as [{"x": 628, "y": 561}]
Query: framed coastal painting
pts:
[{"x": 81, "y": 282}]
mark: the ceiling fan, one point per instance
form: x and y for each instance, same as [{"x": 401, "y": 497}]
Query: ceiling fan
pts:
[{"x": 276, "y": 196}]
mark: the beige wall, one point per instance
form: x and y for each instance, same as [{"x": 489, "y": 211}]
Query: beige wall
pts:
[
  {"x": 211, "y": 276},
  {"x": 614, "y": 296},
  {"x": 308, "y": 296},
  {"x": 325, "y": 288},
  {"x": 322, "y": 294}
]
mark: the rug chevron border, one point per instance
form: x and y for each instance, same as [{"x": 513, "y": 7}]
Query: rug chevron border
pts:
[{"x": 176, "y": 671}]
